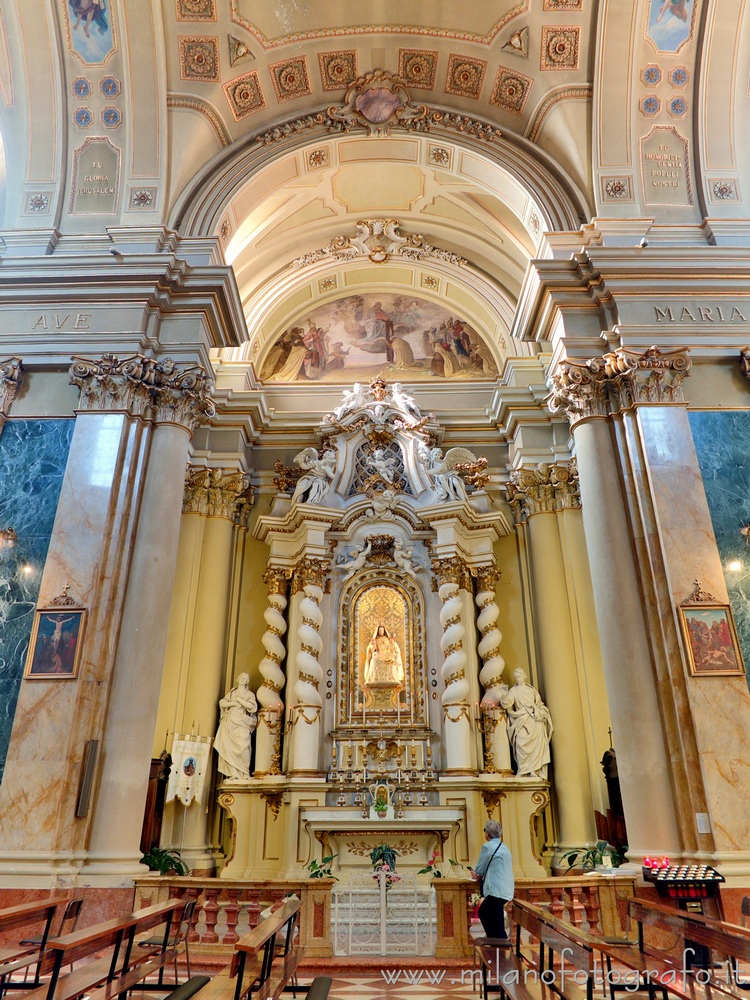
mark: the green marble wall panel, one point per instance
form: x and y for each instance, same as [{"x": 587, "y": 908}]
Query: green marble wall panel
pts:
[
  {"x": 721, "y": 441},
  {"x": 33, "y": 454}
]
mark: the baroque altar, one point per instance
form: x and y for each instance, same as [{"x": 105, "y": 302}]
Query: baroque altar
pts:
[{"x": 383, "y": 711}]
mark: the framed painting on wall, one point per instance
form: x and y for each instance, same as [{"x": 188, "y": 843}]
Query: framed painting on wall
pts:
[
  {"x": 56, "y": 642},
  {"x": 711, "y": 639}
]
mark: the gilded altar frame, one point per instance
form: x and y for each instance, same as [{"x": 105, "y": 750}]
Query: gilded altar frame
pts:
[{"x": 356, "y": 625}]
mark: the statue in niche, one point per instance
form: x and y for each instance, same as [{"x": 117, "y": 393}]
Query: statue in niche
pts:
[
  {"x": 383, "y": 661},
  {"x": 312, "y": 487},
  {"x": 529, "y": 726},
  {"x": 448, "y": 485},
  {"x": 239, "y": 717}
]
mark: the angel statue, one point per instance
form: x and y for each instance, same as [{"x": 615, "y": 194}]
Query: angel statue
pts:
[
  {"x": 404, "y": 402},
  {"x": 357, "y": 559},
  {"x": 384, "y": 465},
  {"x": 312, "y": 487},
  {"x": 353, "y": 399},
  {"x": 448, "y": 484},
  {"x": 402, "y": 556}
]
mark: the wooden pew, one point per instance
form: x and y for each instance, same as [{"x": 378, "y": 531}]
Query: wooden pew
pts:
[
  {"x": 122, "y": 968},
  {"x": 23, "y": 920},
  {"x": 517, "y": 977},
  {"x": 260, "y": 970}
]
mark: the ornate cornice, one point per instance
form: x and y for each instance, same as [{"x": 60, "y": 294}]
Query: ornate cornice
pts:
[
  {"x": 216, "y": 493},
  {"x": 309, "y": 571},
  {"x": 542, "y": 490},
  {"x": 161, "y": 389},
  {"x": 11, "y": 377},
  {"x": 617, "y": 381}
]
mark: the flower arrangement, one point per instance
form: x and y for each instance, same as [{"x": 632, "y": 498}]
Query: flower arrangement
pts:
[
  {"x": 383, "y": 859},
  {"x": 432, "y": 866}
]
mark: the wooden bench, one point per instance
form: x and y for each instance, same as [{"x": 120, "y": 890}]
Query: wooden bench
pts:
[
  {"x": 121, "y": 968},
  {"x": 512, "y": 973},
  {"x": 23, "y": 920},
  {"x": 630, "y": 967},
  {"x": 262, "y": 970}
]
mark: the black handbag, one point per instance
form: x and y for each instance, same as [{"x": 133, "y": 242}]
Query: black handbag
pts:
[{"x": 482, "y": 877}]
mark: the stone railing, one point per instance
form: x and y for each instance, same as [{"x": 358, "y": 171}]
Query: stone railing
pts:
[{"x": 227, "y": 909}]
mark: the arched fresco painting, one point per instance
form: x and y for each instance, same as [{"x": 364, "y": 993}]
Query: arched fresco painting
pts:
[{"x": 361, "y": 336}]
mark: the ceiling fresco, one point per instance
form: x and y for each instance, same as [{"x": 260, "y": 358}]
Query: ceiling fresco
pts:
[{"x": 391, "y": 334}]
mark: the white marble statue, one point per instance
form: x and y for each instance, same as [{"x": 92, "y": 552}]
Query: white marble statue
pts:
[
  {"x": 384, "y": 465},
  {"x": 313, "y": 486},
  {"x": 448, "y": 485},
  {"x": 404, "y": 402},
  {"x": 357, "y": 559},
  {"x": 402, "y": 556},
  {"x": 354, "y": 398},
  {"x": 382, "y": 506},
  {"x": 529, "y": 726},
  {"x": 238, "y": 719}
]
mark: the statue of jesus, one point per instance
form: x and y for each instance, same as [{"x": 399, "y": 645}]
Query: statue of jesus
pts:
[{"x": 383, "y": 662}]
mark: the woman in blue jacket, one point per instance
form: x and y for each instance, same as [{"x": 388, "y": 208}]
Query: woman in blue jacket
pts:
[{"x": 495, "y": 868}]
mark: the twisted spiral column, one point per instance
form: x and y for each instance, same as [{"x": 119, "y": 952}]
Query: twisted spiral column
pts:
[
  {"x": 305, "y": 716},
  {"x": 456, "y": 708},
  {"x": 496, "y": 745},
  {"x": 268, "y": 734}
]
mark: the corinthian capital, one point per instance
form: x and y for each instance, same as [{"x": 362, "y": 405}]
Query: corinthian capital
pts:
[
  {"x": 215, "y": 493},
  {"x": 309, "y": 571},
  {"x": 140, "y": 385},
  {"x": 545, "y": 489},
  {"x": 579, "y": 390},
  {"x": 651, "y": 376},
  {"x": 11, "y": 376},
  {"x": 452, "y": 570},
  {"x": 112, "y": 383}
]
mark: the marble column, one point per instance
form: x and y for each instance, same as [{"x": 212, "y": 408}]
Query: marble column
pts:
[
  {"x": 179, "y": 400},
  {"x": 580, "y": 390},
  {"x": 271, "y": 713},
  {"x": 305, "y": 716},
  {"x": 458, "y": 723},
  {"x": 535, "y": 496},
  {"x": 495, "y": 719},
  {"x": 11, "y": 377},
  {"x": 214, "y": 496}
]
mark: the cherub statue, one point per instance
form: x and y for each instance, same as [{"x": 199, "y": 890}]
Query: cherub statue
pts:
[
  {"x": 382, "y": 506},
  {"x": 448, "y": 484},
  {"x": 384, "y": 465},
  {"x": 357, "y": 559},
  {"x": 402, "y": 555},
  {"x": 353, "y": 399},
  {"x": 313, "y": 486},
  {"x": 404, "y": 402}
]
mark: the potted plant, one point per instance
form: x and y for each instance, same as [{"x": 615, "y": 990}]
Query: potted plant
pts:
[
  {"x": 601, "y": 856},
  {"x": 383, "y": 859},
  {"x": 165, "y": 860}
]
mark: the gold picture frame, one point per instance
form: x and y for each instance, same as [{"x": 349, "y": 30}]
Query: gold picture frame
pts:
[
  {"x": 711, "y": 639},
  {"x": 56, "y": 641}
]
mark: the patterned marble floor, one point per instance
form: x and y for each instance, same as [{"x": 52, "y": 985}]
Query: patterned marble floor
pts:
[{"x": 425, "y": 984}]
